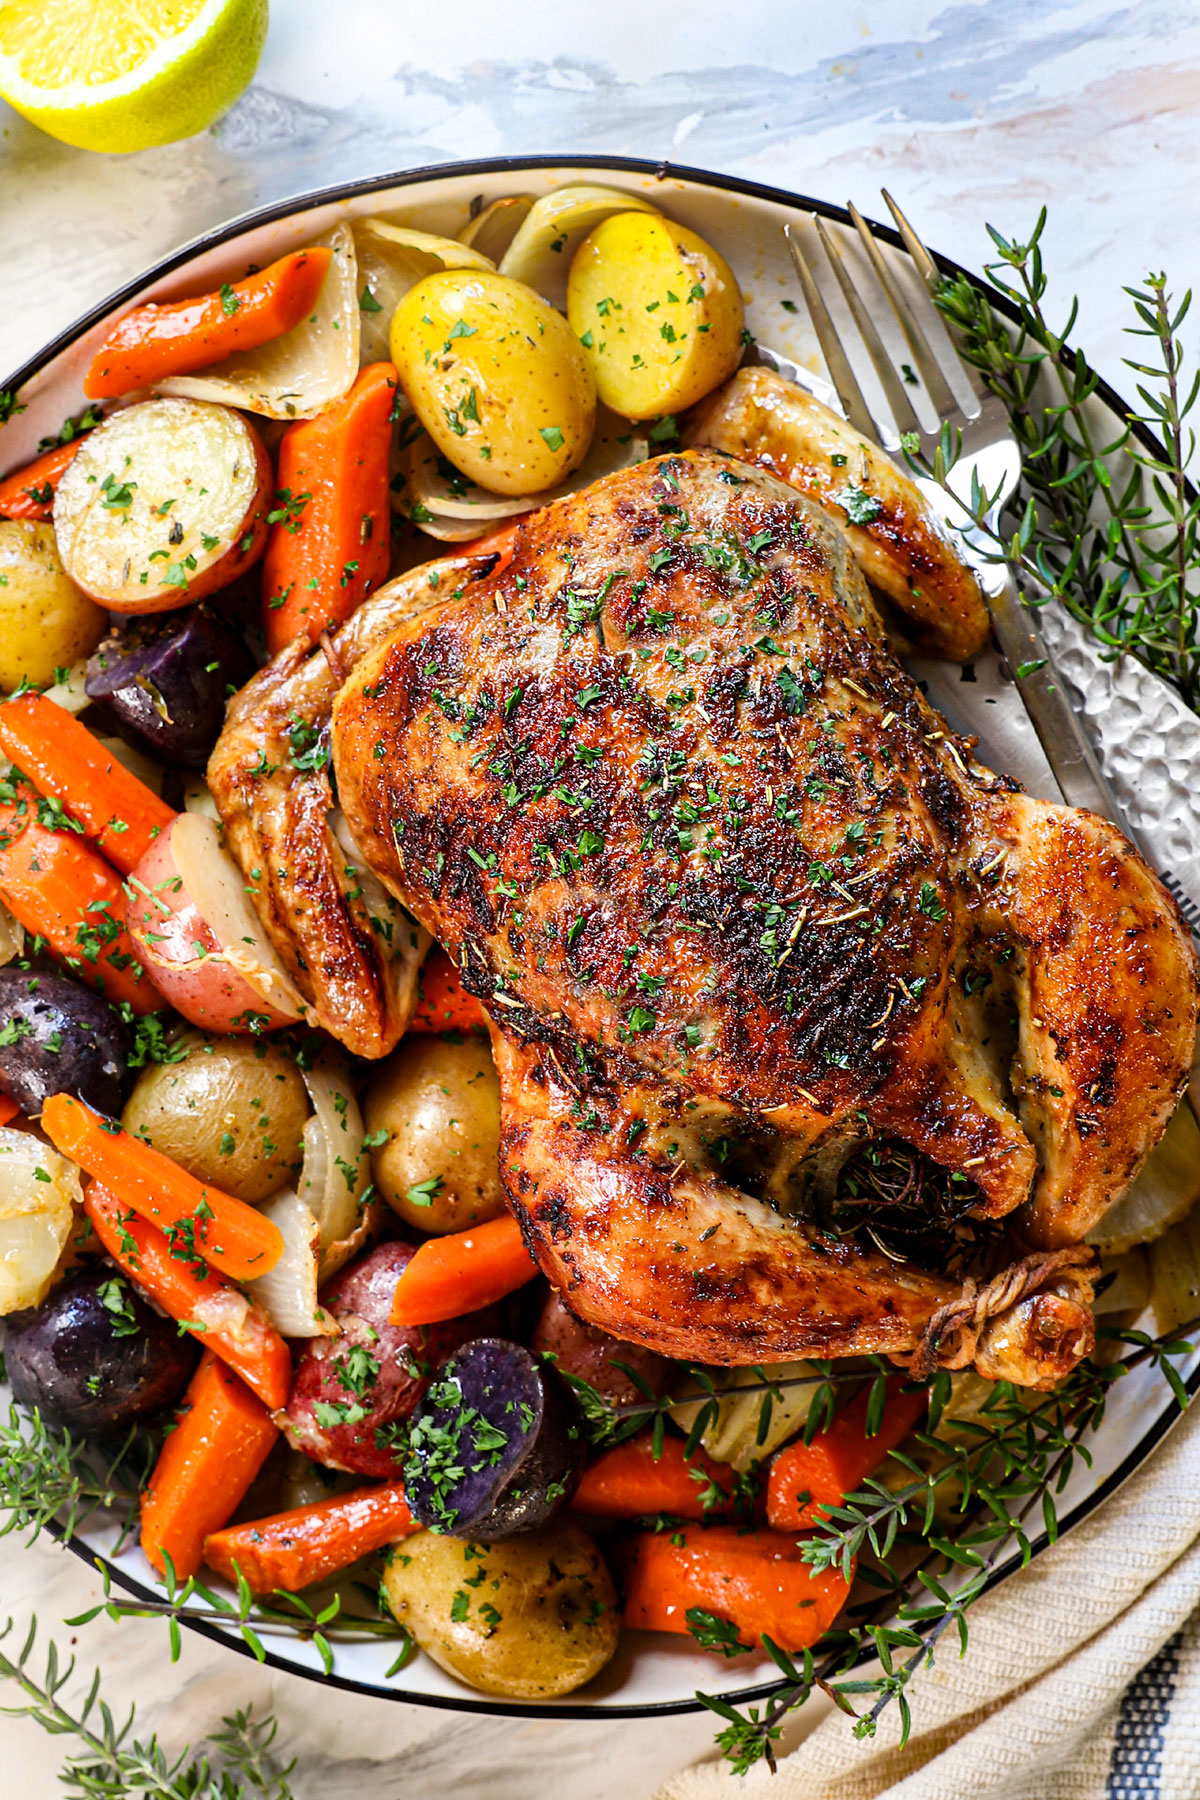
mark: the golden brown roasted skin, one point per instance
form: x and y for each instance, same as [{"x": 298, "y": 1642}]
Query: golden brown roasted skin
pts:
[
  {"x": 353, "y": 954},
  {"x": 723, "y": 882},
  {"x": 899, "y": 544}
]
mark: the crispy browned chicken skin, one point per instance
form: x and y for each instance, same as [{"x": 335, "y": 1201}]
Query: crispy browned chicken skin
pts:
[
  {"x": 735, "y": 899},
  {"x": 901, "y": 547}
]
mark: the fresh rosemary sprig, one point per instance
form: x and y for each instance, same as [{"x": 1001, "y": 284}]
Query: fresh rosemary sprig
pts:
[
  {"x": 235, "y": 1764},
  {"x": 1109, "y": 526},
  {"x": 999, "y": 1474}
]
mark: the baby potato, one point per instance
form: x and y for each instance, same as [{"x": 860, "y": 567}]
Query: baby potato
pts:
[
  {"x": 165, "y": 502},
  {"x": 658, "y": 311},
  {"x": 496, "y": 377},
  {"x": 45, "y": 621},
  {"x": 231, "y": 1113},
  {"x": 432, "y": 1113},
  {"x": 531, "y": 1617}
]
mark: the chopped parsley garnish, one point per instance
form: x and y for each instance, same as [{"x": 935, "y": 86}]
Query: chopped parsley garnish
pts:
[
  {"x": 118, "y": 495},
  {"x": 860, "y": 506},
  {"x": 287, "y": 509},
  {"x": 928, "y": 902},
  {"x": 308, "y": 752},
  {"x": 451, "y": 1441},
  {"x": 114, "y": 1298},
  {"x": 712, "y": 1632},
  {"x": 424, "y": 1193}
]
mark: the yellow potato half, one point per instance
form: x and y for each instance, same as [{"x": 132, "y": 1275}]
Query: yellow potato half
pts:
[
  {"x": 533, "y": 1616},
  {"x": 496, "y": 377},
  {"x": 657, "y": 310},
  {"x": 46, "y": 623},
  {"x": 230, "y": 1112},
  {"x": 433, "y": 1121}
]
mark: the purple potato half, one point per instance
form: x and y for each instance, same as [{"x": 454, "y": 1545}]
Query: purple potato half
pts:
[
  {"x": 60, "y": 1039},
  {"x": 164, "y": 681},
  {"x": 496, "y": 1445},
  {"x": 94, "y": 1357}
]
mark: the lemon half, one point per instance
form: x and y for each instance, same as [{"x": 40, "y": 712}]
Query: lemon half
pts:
[{"x": 120, "y": 75}]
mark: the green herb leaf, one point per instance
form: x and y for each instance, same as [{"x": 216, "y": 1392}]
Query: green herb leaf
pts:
[
  {"x": 860, "y": 507},
  {"x": 424, "y": 1193}
]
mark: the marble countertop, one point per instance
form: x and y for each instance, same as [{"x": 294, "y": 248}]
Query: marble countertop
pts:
[{"x": 970, "y": 112}]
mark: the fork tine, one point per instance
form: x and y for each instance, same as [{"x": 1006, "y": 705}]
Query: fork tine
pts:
[
  {"x": 928, "y": 270},
  {"x": 932, "y": 277},
  {"x": 836, "y": 360},
  {"x": 901, "y": 406},
  {"x": 931, "y": 370}
]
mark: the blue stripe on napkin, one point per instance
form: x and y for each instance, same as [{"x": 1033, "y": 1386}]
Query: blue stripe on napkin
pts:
[{"x": 1136, "y": 1768}]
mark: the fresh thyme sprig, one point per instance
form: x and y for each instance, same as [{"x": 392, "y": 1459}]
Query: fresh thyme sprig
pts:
[
  {"x": 1107, "y": 525},
  {"x": 235, "y": 1764},
  {"x": 999, "y": 1473},
  {"x": 290, "y": 1614},
  {"x": 609, "y": 1423},
  {"x": 46, "y": 1476}
]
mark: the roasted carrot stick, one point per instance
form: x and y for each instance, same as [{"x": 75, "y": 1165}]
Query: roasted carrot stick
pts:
[
  {"x": 291, "y": 1550},
  {"x": 8, "y": 1109},
  {"x": 330, "y": 546},
  {"x": 627, "y": 1481},
  {"x": 214, "y": 1311},
  {"x": 457, "y": 1274},
  {"x": 28, "y": 493},
  {"x": 154, "y": 341},
  {"x": 202, "y": 1225},
  {"x": 206, "y": 1466},
  {"x": 444, "y": 1004},
  {"x": 120, "y": 814},
  {"x": 756, "y": 1579},
  {"x": 66, "y": 893},
  {"x": 500, "y": 543},
  {"x": 804, "y": 1478}
]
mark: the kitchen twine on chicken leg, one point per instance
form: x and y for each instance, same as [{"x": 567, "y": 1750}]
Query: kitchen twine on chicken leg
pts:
[
  {"x": 1082, "y": 1680},
  {"x": 952, "y": 1335}
]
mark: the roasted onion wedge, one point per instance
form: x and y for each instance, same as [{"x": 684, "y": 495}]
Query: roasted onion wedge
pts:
[
  {"x": 295, "y": 375},
  {"x": 493, "y": 230},
  {"x": 391, "y": 259},
  {"x": 445, "y": 505},
  {"x": 200, "y": 938},
  {"x": 540, "y": 254}
]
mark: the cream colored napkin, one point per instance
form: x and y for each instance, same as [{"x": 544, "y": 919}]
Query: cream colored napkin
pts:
[{"x": 1081, "y": 1679}]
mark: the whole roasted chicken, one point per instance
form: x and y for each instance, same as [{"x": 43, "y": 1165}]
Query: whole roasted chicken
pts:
[{"x": 753, "y": 928}]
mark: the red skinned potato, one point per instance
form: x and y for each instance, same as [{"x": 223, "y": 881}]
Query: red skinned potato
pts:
[
  {"x": 588, "y": 1354},
  {"x": 350, "y": 1389},
  {"x": 199, "y": 937},
  {"x": 163, "y": 503}
]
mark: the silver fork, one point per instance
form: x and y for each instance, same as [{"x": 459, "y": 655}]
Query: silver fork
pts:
[{"x": 988, "y": 451}]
